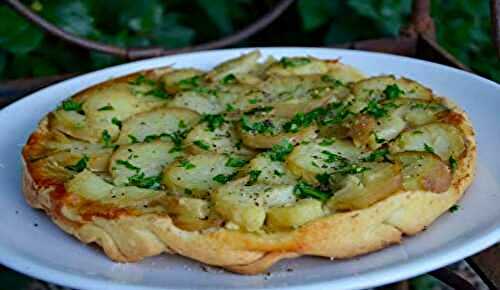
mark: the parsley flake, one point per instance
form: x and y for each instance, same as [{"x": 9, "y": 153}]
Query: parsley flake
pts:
[
  {"x": 80, "y": 165},
  {"x": 254, "y": 176},
  {"x": 279, "y": 151},
  {"x": 202, "y": 144}
]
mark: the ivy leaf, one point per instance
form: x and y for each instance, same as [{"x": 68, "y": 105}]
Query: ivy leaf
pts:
[
  {"x": 72, "y": 16},
  {"x": 170, "y": 33},
  {"x": 218, "y": 12},
  {"x": 315, "y": 13},
  {"x": 17, "y": 35}
]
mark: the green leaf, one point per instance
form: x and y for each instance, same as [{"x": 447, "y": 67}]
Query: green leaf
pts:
[
  {"x": 217, "y": 11},
  {"x": 3, "y": 62},
  {"x": 80, "y": 165},
  {"x": 72, "y": 16},
  {"x": 315, "y": 13},
  {"x": 170, "y": 33},
  {"x": 17, "y": 35}
]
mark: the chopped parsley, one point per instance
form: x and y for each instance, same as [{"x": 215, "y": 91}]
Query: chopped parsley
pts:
[
  {"x": 342, "y": 165},
  {"x": 323, "y": 179},
  {"x": 279, "y": 151},
  {"x": 80, "y": 165},
  {"x": 176, "y": 138},
  {"x": 331, "y": 157},
  {"x": 375, "y": 109},
  {"x": 128, "y": 165},
  {"x": 378, "y": 139},
  {"x": 213, "y": 121},
  {"x": 158, "y": 92},
  {"x": 229, "y": 108},
  {"x": 106, "y": 139},
  {"x": 202, "y": 144},
  {"x": 278, "y": 173},
  {"x": 380, "y": 154},
  {"x": 142, "y": 181},
  {"x": 228, "y": 79},
  {"x": 260, "y": 127},
  {"x": 453, "y": 163},
  {"x": 133, "y": 139},
  {"x": 106, "y": 108},
  {"x": 289, "y": 62},
  {"x": 235, "y": 162},
  {"x": 140, "y": 80},
  {"x": 116, "y": 122},
  {"x": 428, "y": 148},
  {"x": 223, "y": 179},
  {"x": 70, "y": 105},
  {"x": 326, "y": 142},
  {"x": 190, "y": 83},
  {"x": 331, "y": 80},
  {"x": 392, "y": 92},
  {"x": 184, "y": 163},
  {"x": 304, "y": 190},
  {"x": 182, "y": 124},
  {"x": 454, "y": 208},
  {"x": 254, "y": 176}
]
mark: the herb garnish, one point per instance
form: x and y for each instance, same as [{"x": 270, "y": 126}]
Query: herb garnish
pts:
[
  {"x": 80, "y": 165},
  {"x": 223, "y": 179},
  {"x": 254, "y": 175},
  {"x": 228, "y": 79},
  {"x": 304, "y": 190},
  {"x": 190, "y": 83},
  {"x": 392, "y": 92},
  {"x": 133, "y": 139},
  {"x": 288, "y": 62},
  {"x": 70, "y": 105},
  {"x": 326, "y": 142},
  {"x": 106, "y": 108},
  {"x": 140, "y": 180},
  {"x": 428, "y": 148},
  {"x": 453, "y": 163},
  {"x": 213, "y": 121},
  {"x": 260, "y": 127},
  {"x": 128, "y": 165},
  {"x": 454, "y": 208},
  {"x": 235, "y": 162},
  {"x": 380, "y": 154},
  {"x": 116, "y": 122},
  {"x": 202, "y": 144},
  {"x": 106, "y": 139},
  {"x": 279, "y": 151},
  {"x": 186, "y": 164}
]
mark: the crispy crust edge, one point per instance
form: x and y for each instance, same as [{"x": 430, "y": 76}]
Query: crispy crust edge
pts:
[{"x": 343, "y": 235}]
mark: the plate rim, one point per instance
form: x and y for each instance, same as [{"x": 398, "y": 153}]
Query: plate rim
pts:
[{"x": 374, "y": 277}]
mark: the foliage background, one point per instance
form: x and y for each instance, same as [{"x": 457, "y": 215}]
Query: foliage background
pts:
[{"x": 463, "y": 28}]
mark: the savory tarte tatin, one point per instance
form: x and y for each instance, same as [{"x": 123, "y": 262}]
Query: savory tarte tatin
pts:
[{"x": 250, "y": 162}]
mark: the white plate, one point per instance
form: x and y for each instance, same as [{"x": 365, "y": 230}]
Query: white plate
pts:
[{"x": 47, "y": 253}]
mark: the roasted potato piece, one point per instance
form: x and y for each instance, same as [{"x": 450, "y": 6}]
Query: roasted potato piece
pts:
[
  {"x": 298, "y": 66},
  {"x": 240, "y": 65},
  {"x": 131, "y": 196},
  {"x": 244, "y": 203},
  {"x": 143, "y": 158},
  {"x": 90, "y": 186},
  {"x": 297, "y": 94},
  {"x": 199, "y": 102},
  {"x": 191, "y": 214},
  {"x": 362, "y": 190},
  {"x": 71, "y": 123},
  {"x": 311, "y": 159},
  {"x": 424, "y": 171},
  {"x": 294, "y": 215},
  {"x": 197, "y": 174},
  {"x": 272, "y": 172},
  {"x": 417, "y": 113},
  {"x": 155, "y": 123},
  {"x": 442, "y": 139},
  {"x": 181, "y": 79},
  {"x": 264, "y": 131},
  {"x": 223, "y": 140},
  {"x": 343, "y": 72},
  {"x": 377, "y": 87}
]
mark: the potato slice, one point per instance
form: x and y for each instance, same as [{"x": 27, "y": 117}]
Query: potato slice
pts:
[
  {"x": 196, "y": 174},
  {"x": 199, "y": 102},
  {"x": 442, "y": 139},
  {"x": 131, "y": 196},
  {"x": 181, "y": 79},
  {"x": 343, "y": 72},
  {"x": 294, "y": 215},
  {"x": 264, "y": 131},
  {"x": 374, "y": 87},
  {"x": 311, "y": 159},
  {"x": 245, "y": 204},
  {"x": 236, "y": 66},
  {"x": 146, "y": 158},
  {"x": 223, "y": 140},
  {"x": 271, "y": 172},
  {"x": 294, "y": 94},
  {"x": 191, "y": 214},
  {"x": 71, "y": 123},
  {"x": 364, "y": 189},
  {"x": 156, "y": 123},
  {"x": 90, "y": 186},
  {"x": 424, "y": 171},
  {"x": 287, "y": 66}
]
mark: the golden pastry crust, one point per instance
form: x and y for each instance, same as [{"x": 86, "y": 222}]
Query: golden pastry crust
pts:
[{"x": 128, "y": 236}]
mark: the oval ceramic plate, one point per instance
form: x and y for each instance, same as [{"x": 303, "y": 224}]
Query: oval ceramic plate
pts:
[{"x": 32, "y": 244}]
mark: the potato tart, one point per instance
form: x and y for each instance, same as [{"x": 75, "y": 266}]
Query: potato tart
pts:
[{"x": 250, "y": 162}]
